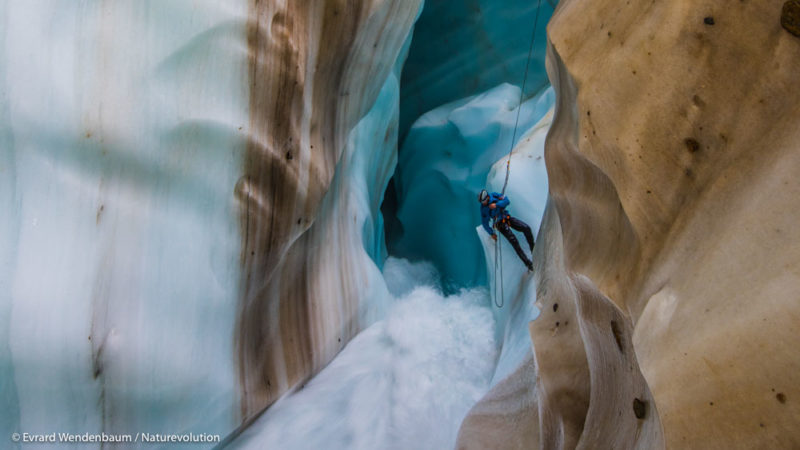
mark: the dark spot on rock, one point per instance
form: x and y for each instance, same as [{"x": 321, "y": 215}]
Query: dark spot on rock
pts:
[
  {"x": 692, "y": 145},
  {"x": 340, "y": 339},
  {"x": 609, "y": 34},
  {"x": 289, "y": 156},
  {"x": 252, "y": 253},
  {"x": 639, "y": 408},
  {"x": 566, "y": 322},
  {"x": 761, "y": 425},
  {"x": 588, "y": 113},
  {"x": 688, "y": 172},
  {"x": 555, "y": 307},
  {"x": 790, "y": 17},
  {"x": 617, "y": 334},
  {"x": 268, "y": 383},
  {"x": 299, "y": 220},
  {"x": 708, "y": 20},
  {"x": 781, "y": 397},
  {"x": 558, "y": 323},
  {"x": 649, "y": 191}
]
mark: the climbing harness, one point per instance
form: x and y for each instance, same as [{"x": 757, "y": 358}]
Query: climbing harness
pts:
[{"x": 497, "y": 246}]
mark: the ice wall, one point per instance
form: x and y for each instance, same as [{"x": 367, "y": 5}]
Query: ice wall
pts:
[
  {"x": 512, "y": 288},
  {"x": 156, "y": 158},
  {"x": 123, "y": 126},
  {"x": 405, "y": 382},
  {"x": 442, "y": 166},
  {"x": 461, "y": 49},
  {"x": 318, "y": 69}
]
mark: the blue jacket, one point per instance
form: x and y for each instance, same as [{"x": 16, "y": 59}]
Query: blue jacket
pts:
[{"x": 493, "y": 214}]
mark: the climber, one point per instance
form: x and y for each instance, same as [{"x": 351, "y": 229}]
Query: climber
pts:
[{"x": 493, "y": 206}]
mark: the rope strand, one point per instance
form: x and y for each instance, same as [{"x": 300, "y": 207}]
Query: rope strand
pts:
[
  {"x": 498, "y": 258},
  {"x": 521, "y": 95}
]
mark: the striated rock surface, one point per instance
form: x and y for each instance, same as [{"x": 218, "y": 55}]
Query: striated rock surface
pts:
[{"x": 669, "y": 243}]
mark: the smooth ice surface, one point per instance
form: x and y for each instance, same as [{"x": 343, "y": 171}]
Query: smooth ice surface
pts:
[
  {"x": 527, "y": 190},
  {"x": 464, "y": 48},
  {"x": 121, "y": 127},
  {"x": 408, "y": 380},
  {"x": 444, "y": 163},
  {"x": 405, "y": 382}
]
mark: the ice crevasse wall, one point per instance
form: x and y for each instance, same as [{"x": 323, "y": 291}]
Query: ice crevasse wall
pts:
[
  {"x": 190, "y": 232},
  {"x": 189, "y": 213},
  {"x": 193, "y": 192}
]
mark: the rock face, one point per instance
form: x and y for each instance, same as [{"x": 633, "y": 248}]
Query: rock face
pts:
[
  {"x": 670, "y": 238},
  {"x": 316, "y": 69}
]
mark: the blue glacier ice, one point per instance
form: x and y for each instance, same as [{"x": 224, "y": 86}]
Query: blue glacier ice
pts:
[
  {"x": 509, "y": 283},
  {"x": 409, "y": 379},
  {"x": 119, "y": 240},
  {"x": 442, "y": 166},
  {"x": 405, "y": 382},
  {"x": 462, "y": 51},
  {"x": 119, "y": 254}
]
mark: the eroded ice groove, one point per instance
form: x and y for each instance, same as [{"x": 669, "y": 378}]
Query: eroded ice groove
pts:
[
  {"x": 444, "y": 163},
  {"x": 405, "y": 382},
  {"x": 527, "y": 190}
]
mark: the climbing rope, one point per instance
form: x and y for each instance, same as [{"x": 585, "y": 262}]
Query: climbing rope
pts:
[
  {"x": 497, "y": 246},
  {"x": 521, "y": 96},
  {"x": 498, "y": 250}
]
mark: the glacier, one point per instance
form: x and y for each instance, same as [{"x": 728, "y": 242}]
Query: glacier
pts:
[
  {"x": 406, "y": 381},
  {"x": 443, "y": 164},
  {"x": 123, "y": 130},
  {"x": 121, "y": 141},
  {"x": 436, "y": 350},
  {"x": 463, "y": 51}
]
